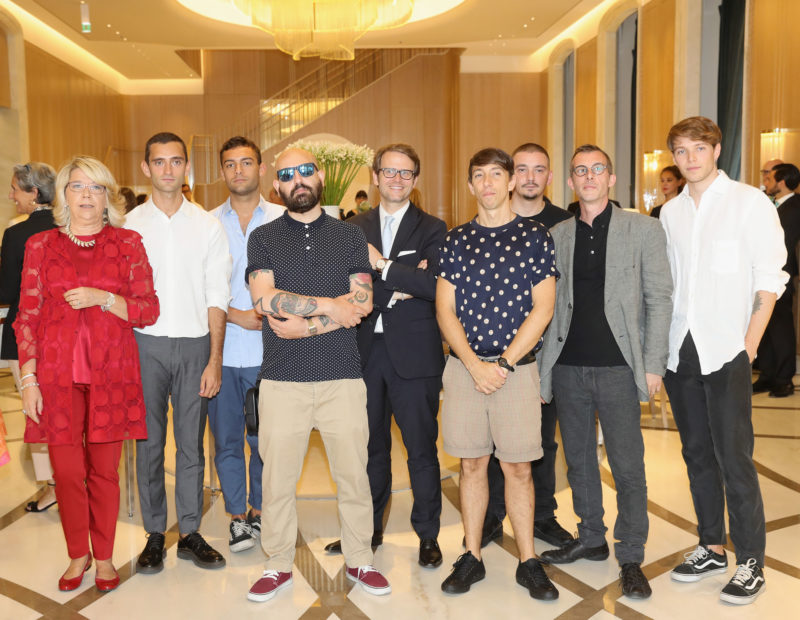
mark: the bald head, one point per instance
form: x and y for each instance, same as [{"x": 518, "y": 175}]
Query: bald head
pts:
[
  {"x": 767, "y": 167},
  {"x": 295, "y": 157}
]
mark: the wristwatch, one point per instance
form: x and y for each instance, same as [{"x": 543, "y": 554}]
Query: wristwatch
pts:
[
  {"x": 503, "y": 363},
  {"x": 380, "y": 264}
]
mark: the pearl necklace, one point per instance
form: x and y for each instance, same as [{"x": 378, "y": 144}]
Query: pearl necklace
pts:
[{"x": 78, "y": 242}]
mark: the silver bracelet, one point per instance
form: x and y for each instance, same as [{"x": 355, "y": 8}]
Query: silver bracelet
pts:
[
  {"x": 27, "y": 385},
  {"x": 109, "y": 302},
  {"x": 23, "y": 377}
]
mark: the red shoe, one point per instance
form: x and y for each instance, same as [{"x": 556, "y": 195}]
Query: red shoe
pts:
[
  {"x": 269, "y": 584},
  {"x": 370, "y": 579},
  {"x": 106, "y": 585},
  {"x": 67, "y": 585}
]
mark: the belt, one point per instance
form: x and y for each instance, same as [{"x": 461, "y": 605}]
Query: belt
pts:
[{"x": 528, "y": 358}]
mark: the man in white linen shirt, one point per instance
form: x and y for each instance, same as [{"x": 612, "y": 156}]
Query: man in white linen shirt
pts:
[
  {"x": 726, "y": 251},
  {"x": 181, "y": 354}
]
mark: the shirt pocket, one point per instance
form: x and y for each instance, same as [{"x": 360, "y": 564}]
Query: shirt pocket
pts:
[{"x": 725, "y": 256}]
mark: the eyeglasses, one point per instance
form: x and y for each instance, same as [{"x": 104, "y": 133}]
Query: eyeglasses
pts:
[
  {"x": 391, "y": 173},
  {"x": 305, "y": 170},
  {"x": 581, "y": 171},
  {"x": 79, "y": 187}
]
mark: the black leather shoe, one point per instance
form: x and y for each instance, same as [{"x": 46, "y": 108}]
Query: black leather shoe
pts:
[
  {"x": 761, "y": 385},
  {"x": 782, "y": 391},
  {"x": 193, "y": 547},
  {"x": 492, "y": 530},
  {"x": 335, "y": 548},
  {"x": 551, "y": 532},
  {"x": 633, "y": 582},
  {"x": 575, "y": 550},
  {"x": 466, "y": 571},
  {"x": 430, "y": 556},
  {"x": 531, "y": 575},
  {"x": 151, "y": 560}
]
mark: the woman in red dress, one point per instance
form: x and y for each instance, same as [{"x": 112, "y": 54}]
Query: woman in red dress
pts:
[{"x": 84, "y": 287}]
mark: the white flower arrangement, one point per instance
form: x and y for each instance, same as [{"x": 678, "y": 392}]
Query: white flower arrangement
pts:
[{"x": 340, "y": 162}]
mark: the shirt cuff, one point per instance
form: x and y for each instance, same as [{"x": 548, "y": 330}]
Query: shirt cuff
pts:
[{"x": 385, "y": 270}]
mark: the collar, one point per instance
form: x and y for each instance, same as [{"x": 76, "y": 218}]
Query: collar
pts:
[
  {"x": 227, "y": 209},
  {"x": 397, "y": 215},
  {"x": 782, "y": 199},
  {"x": 184, "y": 209},
  {"x": 602, "y": 219},
  {"x": 293, "y": 223}
]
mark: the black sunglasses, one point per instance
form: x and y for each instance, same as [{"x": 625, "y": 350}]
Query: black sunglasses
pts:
[{"x": 305, "y": 170}]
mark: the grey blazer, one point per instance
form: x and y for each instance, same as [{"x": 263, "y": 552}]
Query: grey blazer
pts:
[{"x": 638, "y": 296}]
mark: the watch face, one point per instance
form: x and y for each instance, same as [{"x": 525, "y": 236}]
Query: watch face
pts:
[{"x": 380, "y": 264}]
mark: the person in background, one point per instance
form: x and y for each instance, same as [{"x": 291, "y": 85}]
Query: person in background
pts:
[
  {"x": 32, "y": 191},
  {"x": 84, "y": 287},
  {"x": 130, "y": 199},
  {"x": 765, "y": 170},
  {"x": 141, "y": 199},
  {"x": 672, "y": 183}
]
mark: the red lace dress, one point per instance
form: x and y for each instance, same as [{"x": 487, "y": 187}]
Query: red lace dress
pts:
[{"x": 48, "y": 329}]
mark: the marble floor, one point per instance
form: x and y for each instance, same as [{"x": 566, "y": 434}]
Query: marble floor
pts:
[{"x": 33, "y": 552}]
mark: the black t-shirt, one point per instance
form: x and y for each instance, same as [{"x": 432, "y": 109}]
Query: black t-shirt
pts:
[
  {"x": 314, "y": 259},
  {"x": 550, "y": 215}
]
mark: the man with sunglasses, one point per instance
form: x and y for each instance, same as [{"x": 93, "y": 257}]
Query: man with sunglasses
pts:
[
  {"x": 606, "y": 350},
  {"x": 310, "y": 277},
  {"x": 400, "y": 346}
]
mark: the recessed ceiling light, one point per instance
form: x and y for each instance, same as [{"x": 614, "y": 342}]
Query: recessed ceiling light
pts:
[{"x": 108, "y": 25}]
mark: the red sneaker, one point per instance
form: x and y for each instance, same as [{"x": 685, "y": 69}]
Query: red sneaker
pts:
[
  {"x": 370, "y": 579},
  {"x": 269, "y": 584}
]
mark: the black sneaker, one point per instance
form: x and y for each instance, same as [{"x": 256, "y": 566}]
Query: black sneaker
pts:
[
  {"x": 466, "y": 571},
  {"x": 531, "y": 575},
  {"x": 151, "y": 559},
  {"x": 241, "y": 536},
  {"x": 702, "y": 562},
  {"x": 746, "y": 584},
  {"x": 632, "y": 581},
  {"x": 254, "y": 521},
  {"x": 193, "y": 547}
]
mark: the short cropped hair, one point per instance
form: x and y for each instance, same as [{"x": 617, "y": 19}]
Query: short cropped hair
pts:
[
  {"x": 361, "y": 194},
  {"x": 697, "y": 128},
  {"x": 98, "y": 173},
  {"x": 592, "y": 148},
  {"x": 165, "y": 137},
  {"x": 398, "y": 147},
  {"x": 238, "y": 141},
  {"x": 491, "y": 155},
  {"x": 532, "y": 147},
  {"x": 789, "y": 174},
  {"x": 39, "y": 176}
]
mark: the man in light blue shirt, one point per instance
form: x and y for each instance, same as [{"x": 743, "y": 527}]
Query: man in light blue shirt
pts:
[{"x": 244, "y": 211}]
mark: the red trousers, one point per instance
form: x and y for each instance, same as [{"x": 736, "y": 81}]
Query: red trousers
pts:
[{"x": 87, "y": 485}]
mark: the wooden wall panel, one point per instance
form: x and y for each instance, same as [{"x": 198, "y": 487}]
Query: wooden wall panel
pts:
[
  {"x": 496, "y": 109},
  {"x": 5, "y": 72},
  {"x": 586, "y": 93},
  {"x": 774, "y": 91}
]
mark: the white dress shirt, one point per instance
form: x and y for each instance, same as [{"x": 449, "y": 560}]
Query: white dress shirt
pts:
[
  {"x": 720, "y": 252},
  {"x": 782, "y": 199},
  {"x": 395, "y": 225},
  {"x": 191, "y": 266}
]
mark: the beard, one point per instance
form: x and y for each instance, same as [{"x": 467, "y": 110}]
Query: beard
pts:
[
  {"x": 530, "y": 193},
  {"x": 301, "y": 203}
]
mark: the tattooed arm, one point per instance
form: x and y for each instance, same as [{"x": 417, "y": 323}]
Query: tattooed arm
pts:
[
  {"x": 347, "y": 310},
  {"x": 763, "y": 303}
]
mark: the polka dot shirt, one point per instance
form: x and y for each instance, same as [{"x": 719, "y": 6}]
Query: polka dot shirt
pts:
[
  {"x": 314, "y": 259},
  {"x": 493, "y": 271}
]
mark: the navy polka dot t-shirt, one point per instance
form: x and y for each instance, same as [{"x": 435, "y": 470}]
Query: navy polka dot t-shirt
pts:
[{"x": 493, "y": 271}]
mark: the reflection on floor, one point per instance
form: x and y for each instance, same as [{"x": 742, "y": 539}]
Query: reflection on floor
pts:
[{"x": 33, "y": 552}]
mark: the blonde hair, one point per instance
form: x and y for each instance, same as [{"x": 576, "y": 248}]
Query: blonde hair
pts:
[{"x": 114, "y": 213}]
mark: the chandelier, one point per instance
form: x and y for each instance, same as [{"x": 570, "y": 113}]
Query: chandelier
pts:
[{"x": 325, "y": 28}]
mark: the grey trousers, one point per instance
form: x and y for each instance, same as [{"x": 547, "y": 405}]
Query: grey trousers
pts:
[
  {"x": 172, "y": 368},
  {"x": 611, "y": 391}
]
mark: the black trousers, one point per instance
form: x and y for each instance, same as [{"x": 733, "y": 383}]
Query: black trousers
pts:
[
  {"x": 543, "y": 472},
  {"x": 776, "y": 352},
  {"x": 415, "y": 405},
  {"x": 713, "y": 413}
]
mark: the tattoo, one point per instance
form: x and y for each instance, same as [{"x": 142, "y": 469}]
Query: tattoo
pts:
[
  {"x": 757, "y": 303},
  {"x": 364, "y": 283},
  {"x": 324, "y": 320},
  {"x": 258, "y": 306},
  {"x": 291, "y": 303},
  {"x": 257, "y": 272}
]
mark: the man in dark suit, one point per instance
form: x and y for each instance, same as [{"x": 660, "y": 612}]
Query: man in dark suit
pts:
[
  {"x": 776, "y": 352},
  {"x": 400, "y": 345}
]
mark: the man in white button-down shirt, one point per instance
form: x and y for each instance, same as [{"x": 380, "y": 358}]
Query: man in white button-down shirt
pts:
[
  {"x": 181, "y": 354},
  {"x": 726, "y": 251}
]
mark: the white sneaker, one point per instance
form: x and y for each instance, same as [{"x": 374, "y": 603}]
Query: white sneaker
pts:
[{"x": 241, "y": 536}]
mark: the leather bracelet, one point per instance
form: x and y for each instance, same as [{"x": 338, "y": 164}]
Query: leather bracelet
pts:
[{"x": 27, "y": 385}]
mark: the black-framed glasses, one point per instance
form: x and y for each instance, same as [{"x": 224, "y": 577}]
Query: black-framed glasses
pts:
[
  {"x": 305, "y": 170},
  {"x": 581, "y": 171},
  {"x": 391, "y": 173},
  {"x": 94, "y": 188}
]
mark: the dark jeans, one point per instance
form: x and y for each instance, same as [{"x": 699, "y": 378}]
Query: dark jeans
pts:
[
  {"x": 542, "y": 470},
  {"x": 611, "y": 391},
  {"x": 713, "y": 414}
]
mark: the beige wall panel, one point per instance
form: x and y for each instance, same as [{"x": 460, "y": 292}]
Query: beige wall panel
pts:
[
  {"x": 586, "y": 93},
  {"x": 5, "y": 73},
  {"x": 500, "y": 110}
]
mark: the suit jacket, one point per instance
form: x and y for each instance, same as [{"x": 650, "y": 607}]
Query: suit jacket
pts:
[
  {"x": 789, "y": 215},
  {"x": 409, "y": 327},
  {"x": 637, "y": 296}
]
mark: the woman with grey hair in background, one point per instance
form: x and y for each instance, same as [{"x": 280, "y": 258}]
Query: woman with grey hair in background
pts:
[{"x": 32, "y": 192}]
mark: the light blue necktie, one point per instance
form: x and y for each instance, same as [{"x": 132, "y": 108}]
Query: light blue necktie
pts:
[{"x": 387, "y": 237}]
